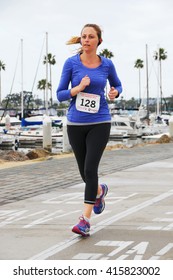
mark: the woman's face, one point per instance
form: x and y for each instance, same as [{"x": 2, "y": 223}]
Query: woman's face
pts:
[{"x": 89, "y": 39}]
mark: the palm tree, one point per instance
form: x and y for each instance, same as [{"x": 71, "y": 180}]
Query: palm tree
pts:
[
  {"x": 160, "y": 55},
  {"x": 139, "y": 65},
  {"x": 51, "y": 61},
  {"x": 2, "y": 67},
  {"x": 108, "y": 54},
  {"x": 42, "y": 86}
]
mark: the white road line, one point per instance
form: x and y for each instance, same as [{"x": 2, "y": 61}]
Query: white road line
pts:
[
  {"x": 169, "y": 227},
  {"x": 42, "y": 220},
  {"x": 12, "y": 217},
  {"x": 162, "y": 252},
  {"x": 150, "y": 228},
  {"x": 168, "y": 220},
  {"x": 69, "y": 197},
  {"x": 50, "y": 217},
  {"x": 101, "y": 225},
  {"x": 165, "y": 249},
  {"x": 86, "y": 256},
  {"x": 132, "y": 210}
]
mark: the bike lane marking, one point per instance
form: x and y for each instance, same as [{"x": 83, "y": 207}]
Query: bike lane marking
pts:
[{"x": 99, "y": 226}]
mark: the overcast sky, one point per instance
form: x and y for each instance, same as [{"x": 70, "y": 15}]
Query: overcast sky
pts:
[{"x": 128, "y": 25}]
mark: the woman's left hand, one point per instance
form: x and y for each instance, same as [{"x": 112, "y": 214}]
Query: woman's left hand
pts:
[{"x": 113, "y": 93}]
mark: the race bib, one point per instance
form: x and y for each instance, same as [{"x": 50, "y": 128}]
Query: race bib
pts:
[{"x": 87, "y": 102}]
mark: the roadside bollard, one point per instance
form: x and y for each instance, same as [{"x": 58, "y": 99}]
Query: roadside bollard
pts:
[
  {"x": 7, "y": 122},
  {"x": 171, "y": 126},
  {"x": 66, "y": 144},
  {"x": 47, "y": 133}
]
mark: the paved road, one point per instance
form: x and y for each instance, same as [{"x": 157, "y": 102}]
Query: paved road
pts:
[
  {"x": 40, "y": 202},
  {"x": 20, "y": 183}
]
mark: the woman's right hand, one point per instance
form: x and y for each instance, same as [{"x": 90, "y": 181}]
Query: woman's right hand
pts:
[{"x": 84, "y": 83}]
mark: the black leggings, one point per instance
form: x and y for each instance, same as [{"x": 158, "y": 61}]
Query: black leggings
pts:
[{"x": 88, "y": 143}]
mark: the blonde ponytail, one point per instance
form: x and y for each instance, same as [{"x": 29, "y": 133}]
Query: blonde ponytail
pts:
[{"x": 74, "y": 40}]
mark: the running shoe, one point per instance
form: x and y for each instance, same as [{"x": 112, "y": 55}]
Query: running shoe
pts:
[
  {"x": 99, "y": 205},
  {"x": 82, "y": 228}
]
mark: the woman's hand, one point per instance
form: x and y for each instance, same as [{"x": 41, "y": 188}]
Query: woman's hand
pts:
[
  {"x": 84, "y": 83},
  {"x": 113, "y": 93}
]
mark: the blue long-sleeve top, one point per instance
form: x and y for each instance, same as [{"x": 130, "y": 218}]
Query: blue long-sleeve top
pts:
[{"x": 73, "y": 71}]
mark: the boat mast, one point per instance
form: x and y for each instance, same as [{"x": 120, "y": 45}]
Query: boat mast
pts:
[
  {"x": 147, "y": 81},
  {"x": 22, "y": 109},
  {"x": 47, "y": 73}
]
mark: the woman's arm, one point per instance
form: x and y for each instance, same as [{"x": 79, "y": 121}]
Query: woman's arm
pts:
[
  {"x": 63, "y": 93},
  {"x": 114, "y": 81}
]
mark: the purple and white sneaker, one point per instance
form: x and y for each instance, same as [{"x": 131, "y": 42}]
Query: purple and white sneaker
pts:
[
  {"x": 99, "y": 205},
  {"x": 82, "y": 228}
]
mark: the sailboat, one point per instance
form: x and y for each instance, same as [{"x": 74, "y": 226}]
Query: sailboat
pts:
[
  {"x": 32, "y": 127},
  {"x": 154, "y": 126}
]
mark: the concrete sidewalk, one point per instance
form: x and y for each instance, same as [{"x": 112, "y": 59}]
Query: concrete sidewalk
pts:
[{"x": 136, "y": 224}]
